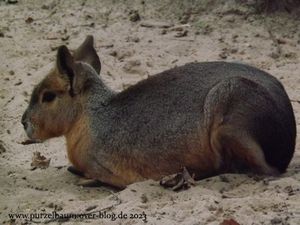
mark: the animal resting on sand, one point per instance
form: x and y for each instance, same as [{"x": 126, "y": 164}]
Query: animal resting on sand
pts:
[{"x": 208, "y": 118}]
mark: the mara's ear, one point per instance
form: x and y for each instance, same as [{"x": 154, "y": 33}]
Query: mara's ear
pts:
[
  {"x": 65, "y": 62},
  {"x": 66, "y": 67},
  {"x": 87, "y": 53}
]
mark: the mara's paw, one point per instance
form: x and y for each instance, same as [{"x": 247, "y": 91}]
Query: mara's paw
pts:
[
  {"x": 84, "y": 182},
  {"x": 179, "y": 181},
  {"x": 75, "y": 171}
]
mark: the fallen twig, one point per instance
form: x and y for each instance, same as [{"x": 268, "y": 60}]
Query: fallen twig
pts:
[
  {"x": 292, "y": 100},
  {"x": 179, "y": 39},
  {"x": 30, "y": 141},
  {"x": 156, "y": 24}
]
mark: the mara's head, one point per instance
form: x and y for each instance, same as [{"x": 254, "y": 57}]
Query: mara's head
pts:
[{"x": 56, "y": 102}]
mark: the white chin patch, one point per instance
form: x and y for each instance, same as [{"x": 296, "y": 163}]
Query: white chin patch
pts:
[{"x": 29, "y": 130}]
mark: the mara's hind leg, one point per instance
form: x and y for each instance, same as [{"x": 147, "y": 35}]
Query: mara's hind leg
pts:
[
  {"x": 240, "y": 153},
  {"x": 248, "y": 128}
]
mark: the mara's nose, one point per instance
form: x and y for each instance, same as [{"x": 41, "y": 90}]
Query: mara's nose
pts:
[
  {"x": 23, "y": 121},
  {"x": 25, "y": 125}
]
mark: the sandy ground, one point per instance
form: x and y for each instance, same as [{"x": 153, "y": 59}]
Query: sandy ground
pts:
[{"x": 30, "y": 32}]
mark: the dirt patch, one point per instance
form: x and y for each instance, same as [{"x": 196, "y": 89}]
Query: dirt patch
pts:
[{"x": 136, "y": 40}]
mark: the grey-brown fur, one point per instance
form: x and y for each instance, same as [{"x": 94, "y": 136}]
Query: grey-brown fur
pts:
[
  {"x": 209, "y": 117},
  {"x": 148, "y": 120}
]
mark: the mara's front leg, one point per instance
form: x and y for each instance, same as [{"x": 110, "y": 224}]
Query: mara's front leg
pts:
[
  {"x": 96, "y": 178},
  {"x": 98, "y": 172}
]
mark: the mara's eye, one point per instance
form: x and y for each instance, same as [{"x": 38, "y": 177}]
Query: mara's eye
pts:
[{"x": 48, "y": 96}]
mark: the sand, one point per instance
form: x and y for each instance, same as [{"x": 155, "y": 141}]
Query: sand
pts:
[{"x": 168, "y": 34}]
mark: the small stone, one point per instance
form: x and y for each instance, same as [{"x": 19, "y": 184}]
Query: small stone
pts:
[
  {"x": 11, "y": 72},
  {"x": 290, "y": 55},
  {"x": 230, "y": 19},
  {"x": 266, "y": 182},
  {"x": 233, "y": 50},
  {"x": 221, "y": 39},
  {"x": 18, "y": 83},
  {"x": 52, "y": 36},
  {"x": 29, "y": 20},
  {"x": 149, "y": 64},
  {"x": 207, "y": 29},
  {"x": 45, "y": 7},
  {"x": 87, "y": 17},
  {"x": 276, "y": 220},
  {"x": 223, "y": 55},
  {"x": 181, "y": 34},
  {"x": 92, "y": 24},
  {"x": 113, "y": 53},
  {"x": 224, "y": 179},
  {"x": 289, "y": 190},
  {"x": 65, "y": 38},
  {"x": 107, "y": 46},
  {"x": 163, "y": 31},
  {"x": 274, "y": 55},
  {"x": 49, "y": 6},
  {"x": 144, "y": 198},
  {"x": 281, "y": 41},
  {"x": 2, "y": 148},
  {"x": 53, "y": 48},
  {"x": 50, "y": 205},
  {"x": 122, "y": 54},
  {"x": 130, "y": 66},
  {"x": 212, "y": 208},
  {"x": 10, "y": 173},
  {"x": 133, "y": 39},
  {"x": 185, "y": 18},
  {"x": 58, "y": 207},
  {"x": 91, "y": 208},
  {"x": 134, "y": 16}
]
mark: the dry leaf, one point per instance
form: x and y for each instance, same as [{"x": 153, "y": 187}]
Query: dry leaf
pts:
[{"x": 39, "y": 161}]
